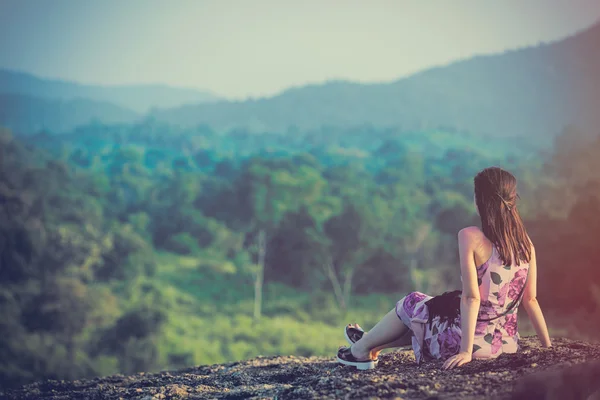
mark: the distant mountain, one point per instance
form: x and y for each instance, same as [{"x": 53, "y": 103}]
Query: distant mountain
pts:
[
  {"x": 531, "y": 91},
  {"x": 26, "y": 114},
  {"x": 140, "y": 98}
]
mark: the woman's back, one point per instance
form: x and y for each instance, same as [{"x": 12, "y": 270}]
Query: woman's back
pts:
[{"x": 500, "y": 287}]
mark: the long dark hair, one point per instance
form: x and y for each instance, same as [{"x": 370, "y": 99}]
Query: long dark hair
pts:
[{"x": 496, "y": 199}]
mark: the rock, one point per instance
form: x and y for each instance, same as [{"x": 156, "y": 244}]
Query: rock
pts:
[
  {"x": 579, "y": 381},
  {"x": 569, "y": 370}
]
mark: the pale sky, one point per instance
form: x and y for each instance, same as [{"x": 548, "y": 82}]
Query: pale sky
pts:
[{"x": 256, "y": 48}]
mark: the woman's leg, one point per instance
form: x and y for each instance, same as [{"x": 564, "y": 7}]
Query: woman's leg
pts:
[
  {"x": 405, "y": 340},
  {"x": 402, "y": 341},
  {"x": 387, "y": 331}
]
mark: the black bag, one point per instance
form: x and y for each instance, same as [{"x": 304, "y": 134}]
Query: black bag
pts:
[{"x": 447, "y": 306}]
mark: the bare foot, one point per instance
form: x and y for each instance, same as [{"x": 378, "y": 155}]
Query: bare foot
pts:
[
  {"x": 359, "y": 353},
  {"x": 374, "y": 353}
]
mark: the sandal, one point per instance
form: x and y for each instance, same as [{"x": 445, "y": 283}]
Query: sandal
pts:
[
  {"x": 344, "y": 356},
  {"x": 353, "y": 335}
]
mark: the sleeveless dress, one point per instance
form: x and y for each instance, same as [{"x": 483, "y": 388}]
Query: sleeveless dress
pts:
[{"x": 499, "y": 286}]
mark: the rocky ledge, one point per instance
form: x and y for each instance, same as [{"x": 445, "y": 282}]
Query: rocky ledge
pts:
[{"x": 570, "y": 370}]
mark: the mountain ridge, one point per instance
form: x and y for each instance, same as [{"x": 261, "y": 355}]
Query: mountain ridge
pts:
[
  {"x": 518, "y": 91},
  {"x": 530, "y": 91},
  {"x": 27, "y": 114},
  {"x": 138, "y": 97}
]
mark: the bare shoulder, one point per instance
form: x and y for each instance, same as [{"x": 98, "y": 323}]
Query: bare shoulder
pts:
[
  {"x": 530, "y": 242},
  {"x": 470, "y": 237},
  {"x": 533, "y": 256},
  {"x": 471, "y": 233}
]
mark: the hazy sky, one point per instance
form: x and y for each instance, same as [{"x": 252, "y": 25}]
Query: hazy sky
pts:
[{"x": 260, "y": 47}]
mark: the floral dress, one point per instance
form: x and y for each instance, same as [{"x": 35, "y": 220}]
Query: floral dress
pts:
[{"x": 499, "y": 287}]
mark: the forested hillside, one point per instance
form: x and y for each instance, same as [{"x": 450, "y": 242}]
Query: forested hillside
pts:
[
  {"x": 141, "y": 247},
  {"x": 527, "y": 92},
  {"x": 27, "y": 114}
]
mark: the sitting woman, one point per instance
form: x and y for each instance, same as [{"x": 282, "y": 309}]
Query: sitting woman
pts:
[{"x": 498, "y": 272}]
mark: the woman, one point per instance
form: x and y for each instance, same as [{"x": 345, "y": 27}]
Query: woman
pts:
[{"x": 498, "y": 271}]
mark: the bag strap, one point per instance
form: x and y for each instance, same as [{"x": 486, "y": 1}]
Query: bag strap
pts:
[{"x": 512, "y": 306}]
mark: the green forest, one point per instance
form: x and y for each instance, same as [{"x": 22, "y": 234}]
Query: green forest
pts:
[{"x": 148, "y": 246}]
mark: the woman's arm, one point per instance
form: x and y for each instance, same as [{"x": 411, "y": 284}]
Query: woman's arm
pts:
[
  {"x": 532, "y": 306},
  {"x": 470, "y": 299}
]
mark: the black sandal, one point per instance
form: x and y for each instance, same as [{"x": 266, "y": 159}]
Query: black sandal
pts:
[
  {"x": 353, "y": 334},
  {"x": 344, "y": 356}
]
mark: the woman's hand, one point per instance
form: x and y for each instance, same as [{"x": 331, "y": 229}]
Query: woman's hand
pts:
[{"x": 457, "y": 360}]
